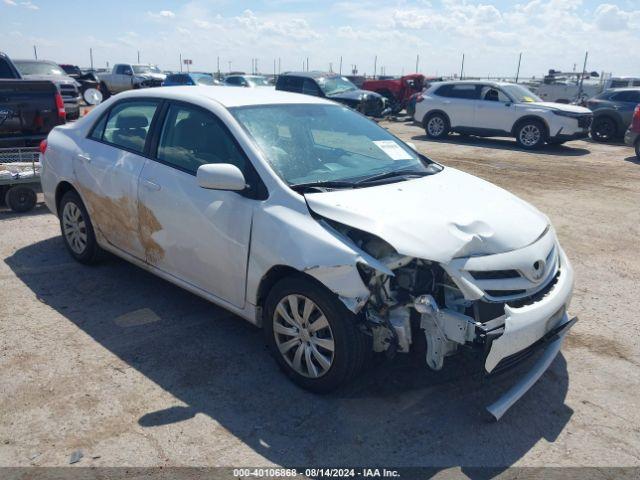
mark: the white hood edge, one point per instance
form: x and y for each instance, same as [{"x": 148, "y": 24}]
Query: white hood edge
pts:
[{"x": 440, "y": 217}]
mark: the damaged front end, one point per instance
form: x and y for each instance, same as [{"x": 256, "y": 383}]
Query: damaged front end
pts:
[{"x": 499, "y": 307}]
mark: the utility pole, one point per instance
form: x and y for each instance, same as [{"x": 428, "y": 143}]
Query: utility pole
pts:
[
  {"x": 330, "y": 67},
  {"x": 518, "y": 71},
  {"x": 91, "y": 57},
  {"x": 340, "y": 64},
  {"x": 307, "y": 64},
  {"x": 375, "y": 66},
  {"x": 138, "y": 56},
  {"x": 417, "y": 62},
  {"x": 180, "y": 62},
  {"x": 279, "y": 65},
  {"x": 218, "y": 65},
  {"x": 229, "y": 66},
  {"x": 584, "y": 69},
  {"x": 35, "y": 52},
  {"x": 462, "y": 68}
]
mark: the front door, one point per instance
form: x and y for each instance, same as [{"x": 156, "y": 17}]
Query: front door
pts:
[
  {"x": 495, "y": 112},
  {"x": 108, "y": 168},
  {"x": 198, "y": 235}
]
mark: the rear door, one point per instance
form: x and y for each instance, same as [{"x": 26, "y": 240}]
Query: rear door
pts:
[
  {"x": 495, "y": 112},
  {"x": 624, "y": 103},
  {"x": 459, "y": 102},
  {"x": 107, "y": 169},
  {"x": 198, "y": 235}
]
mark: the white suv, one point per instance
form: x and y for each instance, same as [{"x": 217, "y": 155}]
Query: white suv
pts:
[{"x": 499, "y": 109}]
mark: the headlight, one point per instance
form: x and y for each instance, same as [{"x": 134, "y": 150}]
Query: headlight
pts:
[{"x": 562, "y": 113}]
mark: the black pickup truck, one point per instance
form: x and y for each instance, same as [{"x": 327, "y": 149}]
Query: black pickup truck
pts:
[{"x": 29, "y": 109}]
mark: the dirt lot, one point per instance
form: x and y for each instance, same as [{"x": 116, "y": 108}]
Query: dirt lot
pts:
[{"x": 134, "y": 371}]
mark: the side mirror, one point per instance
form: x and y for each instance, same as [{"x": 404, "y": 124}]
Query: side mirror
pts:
[
  {"x": 508, "y": 104},
  {"x": 128, "y": 72},
  {"x": 220, "y": 176}
]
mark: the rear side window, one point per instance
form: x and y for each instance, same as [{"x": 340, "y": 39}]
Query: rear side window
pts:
[
  {"x": 128, "y": 125},
  {"x": 628, "y": 96},
  {"x": 192, "y": 137},
  {"x": 309, "y": 87}
]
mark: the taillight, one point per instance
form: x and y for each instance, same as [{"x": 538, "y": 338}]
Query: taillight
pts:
[
  {"x": 43, "y": 146},
  {"x": 419, "y": 98},
  {"x": 62, "y": 115},
  {"x": 635, "y": 124}
]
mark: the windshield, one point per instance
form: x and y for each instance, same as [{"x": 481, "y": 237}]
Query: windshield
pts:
[
  {"x": 335, "y": 85},
  {"x": 258, "y": 81},
  {"x": 203, "y": 79},
  {"x": 71, "y": 69},
  {"x": 26, "y": 67},
  {"x": 325, "y": 143},
  {"x": 146, "y": 69},
  {"x": 521, "y": 94}
]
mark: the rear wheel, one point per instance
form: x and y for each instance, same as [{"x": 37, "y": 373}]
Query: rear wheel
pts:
[
  {"x": 77, "y": 229},
  {"x": 20, "y": 198},
  {"x": 531, "y": 134},
  {"x": 436, "y": 125},
  {"x": 603, "y": 129},
  {"x": 312, "y": 335}
]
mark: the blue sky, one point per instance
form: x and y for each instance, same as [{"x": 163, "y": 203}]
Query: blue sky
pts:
[{"x": 550, "y": 33}]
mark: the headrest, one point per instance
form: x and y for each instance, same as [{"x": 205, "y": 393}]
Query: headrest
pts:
[{"x": 131, "y": 120}]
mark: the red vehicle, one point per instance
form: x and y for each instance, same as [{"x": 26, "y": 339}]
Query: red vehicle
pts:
[
  {"x": 397, "y": 90},
  {"x": 632, "y": 137}
]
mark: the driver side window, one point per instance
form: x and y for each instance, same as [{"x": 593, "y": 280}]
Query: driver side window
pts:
[
  {"x": 192, "y": 137},
  {"x": 494, "y": 95}
]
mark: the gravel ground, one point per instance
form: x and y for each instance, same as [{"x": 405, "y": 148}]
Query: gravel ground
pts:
[{"x": 134, "y": 371}]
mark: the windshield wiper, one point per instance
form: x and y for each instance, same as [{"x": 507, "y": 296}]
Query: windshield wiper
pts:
[
  {"x": 393, "y": 174},
  {"x": 322, "y": 184}
]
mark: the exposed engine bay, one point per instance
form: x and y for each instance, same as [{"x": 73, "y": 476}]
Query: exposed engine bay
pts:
[{"x": 421, "y": 308}]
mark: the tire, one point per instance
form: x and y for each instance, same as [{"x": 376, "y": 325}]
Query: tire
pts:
[
  {"x": 603, "y": 129},
  {"x": 289, "y": 339},
  {"x": 436, "y": 126},
  {"x": 638, "y": 148},
  {"x": 79, "y": 238},
  {"x": 531, "y": 134},
  {"x": 20, "y": 198},
  {"x": 105, "y": 91}
]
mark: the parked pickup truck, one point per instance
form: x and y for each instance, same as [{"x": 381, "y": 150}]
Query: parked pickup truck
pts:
[
  {"x": 126, "y": 76},
  {"x": 398, "y": 91},
  {"x": 29, "y": 109}
]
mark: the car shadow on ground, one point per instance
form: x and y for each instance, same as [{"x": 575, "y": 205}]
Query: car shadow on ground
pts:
[
  {"x": 633, "y": 159},
  {"x": 6, "y": 212},
  {"x": 506, "y": 144},
  {"x": 396, "y": 414}
]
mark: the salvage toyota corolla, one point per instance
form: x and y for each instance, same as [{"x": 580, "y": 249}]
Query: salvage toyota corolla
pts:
[{"x": 304, "y": 217}]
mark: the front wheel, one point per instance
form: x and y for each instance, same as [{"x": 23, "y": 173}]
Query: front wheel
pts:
[
  {"x": 312, "y": 335},
  {"x": 531, "y": 134},
  {"x": 436, "y": 126},
  {"x": 77, "y": 229},
  {"x": 603, "y": 129}
]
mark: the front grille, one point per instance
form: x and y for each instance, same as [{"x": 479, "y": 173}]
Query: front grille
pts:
[
  {"x": 494, "y": 274},
  {"x": 69, "y": 93},
  {"x": 585, "y": 121},
  {"x": 536, "y": 297}
]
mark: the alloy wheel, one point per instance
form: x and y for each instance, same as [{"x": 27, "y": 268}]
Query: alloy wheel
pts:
[
  {"x": 435, "y": 126},
  {"x": 303, "y": 336},
  {"x": 530, "y": 135},
  {"x": 74, "y": 228}
]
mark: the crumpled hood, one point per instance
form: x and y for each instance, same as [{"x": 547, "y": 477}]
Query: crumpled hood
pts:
[
  {"x": 439, "y": 217},
  {"x": 355, "y": 95},
  {"x": 565, "y": 107}
]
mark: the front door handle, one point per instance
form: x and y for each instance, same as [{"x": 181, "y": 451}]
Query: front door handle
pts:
[
  {"x": 85, "y": 156},
  {"x": 150, "y": 185}
]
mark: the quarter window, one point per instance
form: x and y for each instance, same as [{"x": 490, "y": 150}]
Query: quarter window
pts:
[
  {"x": 128, "y": 124},
  {"x": 192, "y": 137},
  {"x": 628, "y": 96}
]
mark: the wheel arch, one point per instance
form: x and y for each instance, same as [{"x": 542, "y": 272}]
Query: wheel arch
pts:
[
  {"x": 62, "y": 188},
  {"x": 273, "y": 276},
  {"x": 609, "y": 115},
  {"x": 528, "y": 118},
  {"x": 432, "y": 112}
]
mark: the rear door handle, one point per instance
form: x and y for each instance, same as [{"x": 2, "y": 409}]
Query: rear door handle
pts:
[
  {"x": 150, "y": 185},
  {"x": 85, "y": 156}
]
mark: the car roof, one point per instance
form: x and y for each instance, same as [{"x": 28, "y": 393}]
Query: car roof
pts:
[
  {"x": 623, "y": 89},
  {"x": 313, "y": 74},
  {"x": 227, "y": 96}
]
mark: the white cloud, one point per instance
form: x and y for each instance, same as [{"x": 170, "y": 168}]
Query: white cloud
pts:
[
  {"x": 10, "y": 2},
  {"x": 292, "y": 27},
  {"x": 30, "y": 6},
  {"x": 162, "y": 14},
  {"x": 611, "y": 18}
]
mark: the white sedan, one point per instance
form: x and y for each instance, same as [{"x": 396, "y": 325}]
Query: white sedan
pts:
[{"x": 314, "y": 223}]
